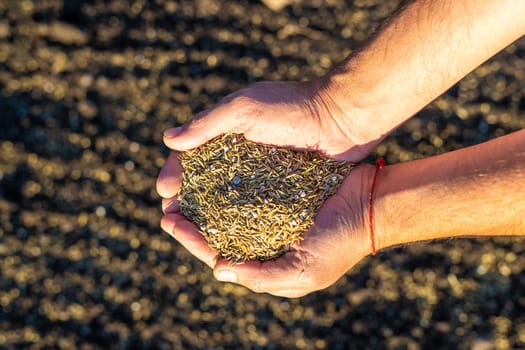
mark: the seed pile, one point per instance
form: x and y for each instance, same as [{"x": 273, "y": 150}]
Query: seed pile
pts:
[{"x": 253, "y": 201}]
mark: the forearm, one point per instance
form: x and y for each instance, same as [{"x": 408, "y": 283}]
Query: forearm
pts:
[
  {"x": 476, "y": 191},
  {"x": 422, "y": 51}
]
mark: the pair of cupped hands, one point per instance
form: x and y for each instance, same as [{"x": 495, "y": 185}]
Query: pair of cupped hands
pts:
[{"x": 297, "y": 115}]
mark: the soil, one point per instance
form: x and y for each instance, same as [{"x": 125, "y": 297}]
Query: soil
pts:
[{"x": 86, "y": 89}]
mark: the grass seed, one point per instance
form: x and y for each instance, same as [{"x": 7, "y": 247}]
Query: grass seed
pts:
[{"x": 254, "y": 201}]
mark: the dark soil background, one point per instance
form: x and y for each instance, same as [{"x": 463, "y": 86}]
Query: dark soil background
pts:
[{"x": 86, "y": 90}]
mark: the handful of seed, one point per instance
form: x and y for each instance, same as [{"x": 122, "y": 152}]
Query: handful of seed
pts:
[{"x": 254, "y": 201}]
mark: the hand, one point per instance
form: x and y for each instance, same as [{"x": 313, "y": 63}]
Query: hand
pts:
[
  {"x": 291, "y": 114},
  {"x": 300, "y": 115},
  {"x": 336, "y": 242}
]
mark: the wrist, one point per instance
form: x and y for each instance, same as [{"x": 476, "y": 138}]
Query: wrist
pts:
[
  {"x": 343, "y": 110},
  {"x": 383, "y": 220},
  {"x": 355, "y": 193},
  {"x": 373, "y": 208},
  {"x": 401, "y": 209},
  {"x": 362, "y": 101}
]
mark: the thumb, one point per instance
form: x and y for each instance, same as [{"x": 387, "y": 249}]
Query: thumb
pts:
[
  {"x": 206, "y": 125},
  {"x": 284, "y": 276}
]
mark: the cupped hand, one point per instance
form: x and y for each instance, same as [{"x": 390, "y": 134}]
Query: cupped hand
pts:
[
  {"x": 299, "y": 115},
  {"x": 338, "y": 240}
]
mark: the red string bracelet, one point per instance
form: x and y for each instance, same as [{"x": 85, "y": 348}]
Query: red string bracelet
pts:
[{"x": 380, "y": 163}]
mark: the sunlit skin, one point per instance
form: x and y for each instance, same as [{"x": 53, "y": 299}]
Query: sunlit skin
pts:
[{"x": 418, "y": 54}]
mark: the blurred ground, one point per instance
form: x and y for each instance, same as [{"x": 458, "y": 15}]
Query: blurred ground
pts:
[{"x": 86, "y": 89}]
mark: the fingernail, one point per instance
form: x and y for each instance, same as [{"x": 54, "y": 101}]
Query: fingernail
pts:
[
  {"x": 173, "y": 132},
  {"x": 165, "y": 209},
  {"x": 171, "y": 207},
  {"x": 226, "y": 276},
  {"x": 168, "y": 224}
]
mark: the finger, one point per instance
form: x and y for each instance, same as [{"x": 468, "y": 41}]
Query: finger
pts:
[
  {"x": 285, "y": 276},
  {"x": 188, "y": 235},
  {"x": 170, "y": 205},
  {"x": 170, "y": 177},
  {"x": 204, "y": 126}
]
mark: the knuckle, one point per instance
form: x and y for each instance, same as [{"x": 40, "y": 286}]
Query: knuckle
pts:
[
  {"x": 257, "y": 286},
  {"x": 210, "y": 259},
  {"x": 230, "y": 97},
  {"x": 308, "y": 281},
  {"x": 198, "y": 119},
  {"x": 244, "y": 101}
]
